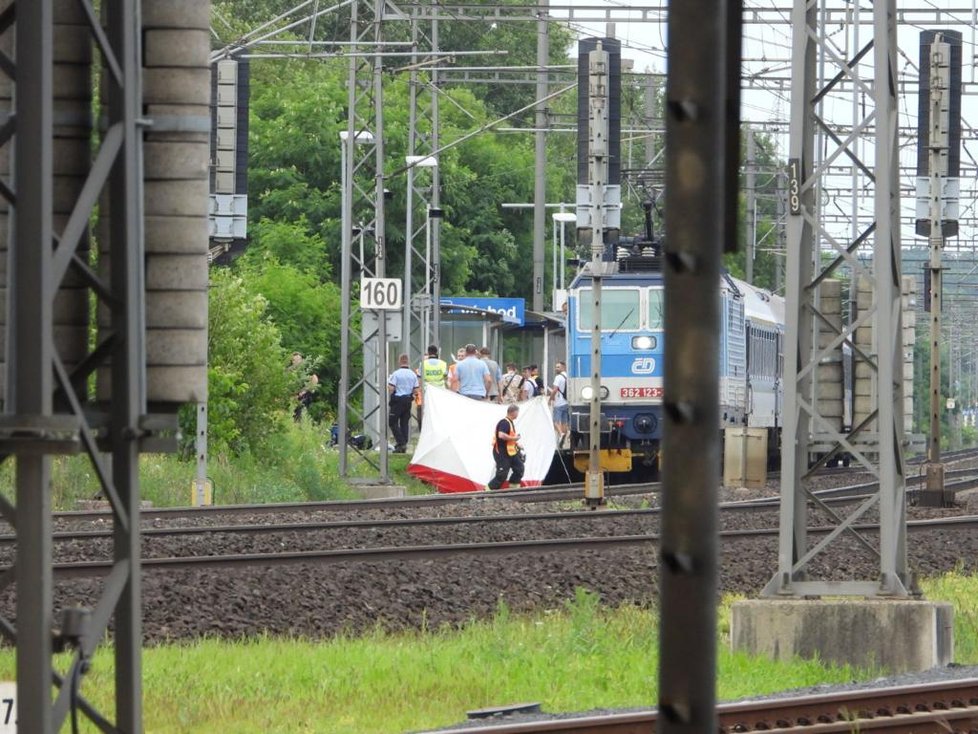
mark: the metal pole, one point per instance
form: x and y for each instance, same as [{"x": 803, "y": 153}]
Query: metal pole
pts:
[
  {"x": 128, "y": 359},
  {"x": 894, "y": 578},
  {"x": 346, "y": 253},
  {"x": 380, "y": 238},
  {"x": 563, "y": 255},
  {"x": 435, "y": 261},
  {"x": 779, "y": 261},
  {"x": 751, "y": 214},
  {"x": 799, "y": 268},
  {"x": 32, "y": 351},
  {"x": 430, "y": 336},
  {"x": 940, "y": 60},
  {"x": 540, "y": 156},
  {"x": 408, "y": 264},
  {"x": 409, "y": 297},
  {"x": 701, "y": 124},
  {"x": 200, "y": 444},
  {"x": 650, "y": 116},
  {"x": 598, "y": 80},
  {"x": 553, "y": 278}
]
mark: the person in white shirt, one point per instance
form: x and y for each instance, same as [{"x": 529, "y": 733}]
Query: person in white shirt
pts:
[
  {"x": 558, "y": 399},
  {"x": 529, "y": 385}
]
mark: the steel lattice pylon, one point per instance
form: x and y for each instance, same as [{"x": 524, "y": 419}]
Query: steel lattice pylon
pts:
[
  {"x": 47, "y": 408},
  {"x": 422, "y": 232},
  {"x": 876, "y": 441},
  {"x": 363, "y": 405}
]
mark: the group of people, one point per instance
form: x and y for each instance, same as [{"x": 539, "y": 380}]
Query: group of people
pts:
[{"x": 476, "y": 375}]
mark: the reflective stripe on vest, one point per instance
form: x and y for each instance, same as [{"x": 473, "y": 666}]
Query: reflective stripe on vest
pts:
[{"x": 511, "y": 448}]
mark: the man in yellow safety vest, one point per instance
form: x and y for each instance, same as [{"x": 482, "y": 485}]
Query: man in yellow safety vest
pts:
[{"x": 433, "y": 371}]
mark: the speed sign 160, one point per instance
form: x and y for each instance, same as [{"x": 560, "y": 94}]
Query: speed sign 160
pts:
[{"x": 380, "y": 293}]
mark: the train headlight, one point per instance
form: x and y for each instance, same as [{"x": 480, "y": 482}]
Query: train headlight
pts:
[
  {"x": 643, "y": 343},
  {"x": 645, "y": 423},
  {"x": 587, "y": 393}
]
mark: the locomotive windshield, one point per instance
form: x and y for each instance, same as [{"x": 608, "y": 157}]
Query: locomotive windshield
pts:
[
  {"x": 655, "y": 309},
  {"x": 620, "y": 309}
]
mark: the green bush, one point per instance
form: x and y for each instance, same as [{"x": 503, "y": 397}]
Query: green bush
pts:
[{"x": 248, "y": 385}]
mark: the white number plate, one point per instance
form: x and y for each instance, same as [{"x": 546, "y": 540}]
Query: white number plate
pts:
[
  {"x": 380, "y": 293},
  {"x": 641, "y": 392}
]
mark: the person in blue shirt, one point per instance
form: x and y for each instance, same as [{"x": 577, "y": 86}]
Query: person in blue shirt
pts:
[
  {"x": 401, "y": 386},
  {"x": 494, "y": 374},
  {"x": 473, "y": 375}
]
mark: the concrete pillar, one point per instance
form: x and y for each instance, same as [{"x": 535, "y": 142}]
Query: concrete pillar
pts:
[
  {"x": 895, "y": 635},
  {"x": 176, "y": 98}
]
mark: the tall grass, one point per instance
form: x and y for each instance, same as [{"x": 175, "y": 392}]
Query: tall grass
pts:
[
  {"x": 575, "y": 658},
  {"x": 305, "y": 468}
]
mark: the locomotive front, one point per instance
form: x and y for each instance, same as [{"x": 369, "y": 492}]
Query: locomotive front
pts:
[{"x": 631, "y": 370}]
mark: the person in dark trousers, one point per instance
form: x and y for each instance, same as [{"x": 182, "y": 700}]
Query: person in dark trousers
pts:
[
  {"x": 401, "y": 386},
  {"x": 506, "y": 451}
]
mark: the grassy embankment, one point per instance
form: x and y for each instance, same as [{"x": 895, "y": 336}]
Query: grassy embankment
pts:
[
  {"x": 304, "y": 468},
  {"x": 579, "y": 657}
]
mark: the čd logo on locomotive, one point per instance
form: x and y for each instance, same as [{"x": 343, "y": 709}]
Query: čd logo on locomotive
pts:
[{"x": 643, "y": 366}]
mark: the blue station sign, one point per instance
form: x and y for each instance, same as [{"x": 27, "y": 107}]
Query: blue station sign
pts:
[{"x": 513, "y": 310}]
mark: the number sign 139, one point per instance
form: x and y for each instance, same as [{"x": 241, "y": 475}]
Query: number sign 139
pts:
[{"x": 380, "y": 293}]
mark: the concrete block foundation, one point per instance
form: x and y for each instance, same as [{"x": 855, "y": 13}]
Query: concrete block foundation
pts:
[
  {"x": 896, "y": 635},
  {"x": 380, "y": 491}
]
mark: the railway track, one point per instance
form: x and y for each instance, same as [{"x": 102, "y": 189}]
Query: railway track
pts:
[
  {"x": 293, "y": 583},
  {"x": 568, "y": 492},
  {"x": 838, "y": 496},
  {"x": 935, "y": 708},
  {"x": 269, "y": 519},
  {"x": 90, "y": 568}
]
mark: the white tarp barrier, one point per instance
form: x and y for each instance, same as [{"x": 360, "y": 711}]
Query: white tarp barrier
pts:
[{"x": 454, "y": 451}]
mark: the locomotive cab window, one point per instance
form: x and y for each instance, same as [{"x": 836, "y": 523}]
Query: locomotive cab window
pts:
[
  {"x": 655, "y": 296},
  {"x": 620, "y": 309}
]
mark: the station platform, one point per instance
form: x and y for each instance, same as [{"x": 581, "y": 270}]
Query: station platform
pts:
[{"x": 898, "y": 635}]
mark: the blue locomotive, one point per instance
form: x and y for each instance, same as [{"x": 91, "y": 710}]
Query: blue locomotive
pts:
[{"x": 632, "y": 344}]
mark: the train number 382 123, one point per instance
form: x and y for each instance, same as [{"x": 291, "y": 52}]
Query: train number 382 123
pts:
[{"x": 641, "y": 392}]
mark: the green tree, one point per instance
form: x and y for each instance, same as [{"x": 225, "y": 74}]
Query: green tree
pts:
[
  {"x": 248, "y": 386},
  {"x": 306, "y": 313},
  {"x": 295, "y": 243}
]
